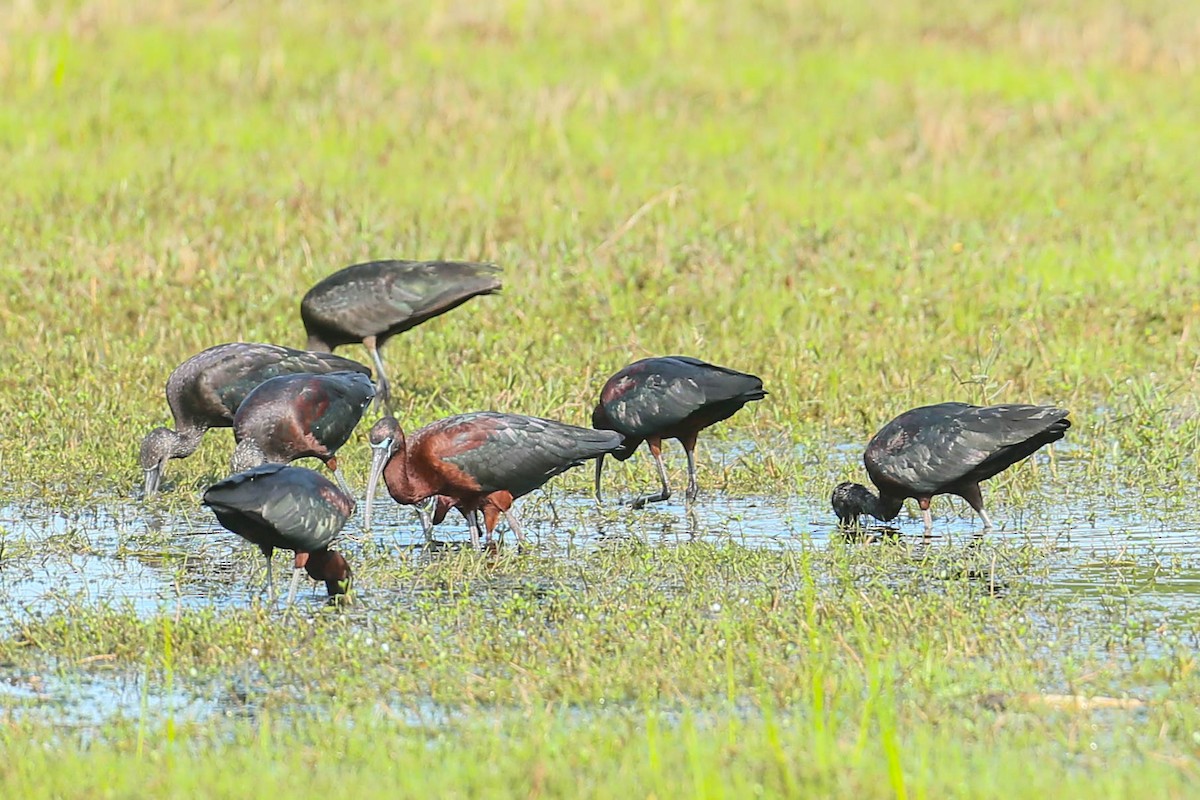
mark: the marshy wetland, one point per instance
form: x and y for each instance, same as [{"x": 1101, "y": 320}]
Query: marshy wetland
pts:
[{"x": 871, "y": 208}]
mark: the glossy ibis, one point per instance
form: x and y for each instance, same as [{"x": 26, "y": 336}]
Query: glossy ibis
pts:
[
  {"x": 291, "y": 508},
  {"x": 370, "y": 303},
  {"x": 948, "y": 448},
  {"x": 205, "y": 392},
  {"x": 672, "y": 397},
  {"x": 479, "y": 461},
  {"x": 300, "y": 416}
]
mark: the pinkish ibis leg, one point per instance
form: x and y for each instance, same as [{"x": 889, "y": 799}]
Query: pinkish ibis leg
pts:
[
  {"x": 383, "y": 393},
  {"x": 655, "y": 445},
  {"x": 974, "y": 497},
  {"x": 928, "y": 517},
  {"x": 689, "y": 447}
]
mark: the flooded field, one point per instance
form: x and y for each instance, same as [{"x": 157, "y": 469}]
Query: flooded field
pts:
[{"x": 1108, "y": 564}]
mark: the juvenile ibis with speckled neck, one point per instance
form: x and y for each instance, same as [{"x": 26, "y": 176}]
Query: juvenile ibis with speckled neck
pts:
[
  {"x": 478, "y": 461},
  {"x": 300, "y": 416},
  {"x": 206, "y": 390},
  {"x": 670, "y": 397},
  {"x": 372, "y": 302},
  {"x": 291, "y": 508},
  {"x": 948, "y": 448}
]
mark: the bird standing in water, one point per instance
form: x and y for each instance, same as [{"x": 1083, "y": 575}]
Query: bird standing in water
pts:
[
  {"x": 372, "y": 302},
  {"x": 206, "y": 390},
  {"x": 478, "y": 460},
  {"x": 292, "y": 508},
  {"x": 948, "y": 448},
  {"x": 300, "y": 416},
  {"x": 671, "y": 397}
]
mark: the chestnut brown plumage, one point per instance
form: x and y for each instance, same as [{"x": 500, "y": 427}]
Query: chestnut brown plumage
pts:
[
  {"x": 484, "y": 459},
  {"x": 300, "y": 416}
]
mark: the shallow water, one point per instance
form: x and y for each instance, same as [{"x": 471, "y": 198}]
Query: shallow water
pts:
[{"x": 1099, "y": 552}]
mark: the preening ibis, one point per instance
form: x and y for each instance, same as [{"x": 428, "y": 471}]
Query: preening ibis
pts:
[
  {"x": 948, "y": 448},
  {"x": 478, "y": 460},
  {"x": 291, "y": 508},
  {"x": 372, "y": 302},
  {"x": 671, "y": 397},
  {"x": 206, "y": 390},
  {"x": 300, "y": 416}
]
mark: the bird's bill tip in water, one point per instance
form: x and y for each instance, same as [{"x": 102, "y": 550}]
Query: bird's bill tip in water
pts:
[
  {"x": 381, "y": 451},
  {"x": 152, "y": 477}
]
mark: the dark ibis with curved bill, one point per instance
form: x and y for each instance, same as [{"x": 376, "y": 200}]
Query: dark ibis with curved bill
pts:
[
  {"x": 479, "y": 461},
  {"x": 291, "y": 508},
  {"x": 300, "y": 416},
  {"x": 948, "y": 448},
  {"x": 372, "y": 302},
  {"x": 669, "y": 397},
  {"x": 206, "y": 390}
]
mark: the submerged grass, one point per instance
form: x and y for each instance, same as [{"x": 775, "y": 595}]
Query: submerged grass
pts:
[{"x": 872, "y": 206}]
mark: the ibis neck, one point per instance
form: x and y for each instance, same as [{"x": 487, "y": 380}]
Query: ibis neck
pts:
[
  {"x": 186, "y": 442},
  {"x": 404, "y": 487},
  {"x": 881, "y": 507}
]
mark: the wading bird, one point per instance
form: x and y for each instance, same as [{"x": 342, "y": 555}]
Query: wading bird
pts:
[
  {"x": 300, "y": 416},
  {"x": 205, "y": 392},
  {"x": 672, "y": 397},
  {"x": 948, "y": 448},
  {"x": 291, "y": 508},
  {"x": 478, "y": 461},
  {"x": 372, "y": 302}
]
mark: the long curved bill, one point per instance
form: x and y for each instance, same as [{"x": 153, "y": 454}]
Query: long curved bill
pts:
[
  {"x": 152, "y": 478},
  {"x": 379, "y": 459}
]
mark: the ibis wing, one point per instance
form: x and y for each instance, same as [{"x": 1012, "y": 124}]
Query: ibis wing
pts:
[
  {"x": 966, "y": 444},
  {"x": 654, "y": 404},
  {"x": 519, "y": 453}
]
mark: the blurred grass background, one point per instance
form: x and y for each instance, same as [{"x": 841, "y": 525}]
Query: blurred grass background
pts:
[{"x": 871, "y": 206}]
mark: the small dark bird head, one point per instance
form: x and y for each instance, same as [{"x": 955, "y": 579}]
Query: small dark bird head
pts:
[
  {"x": 246, "y": 454},
  {"x": 385, "y": 438},
  {"x": 850, "y": 500},
  {"x": 158, "y": 447},
  {"x": 331, "y": 567}
]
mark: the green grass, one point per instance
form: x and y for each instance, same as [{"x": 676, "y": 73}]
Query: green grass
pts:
[{"x": 871, "y": 207}]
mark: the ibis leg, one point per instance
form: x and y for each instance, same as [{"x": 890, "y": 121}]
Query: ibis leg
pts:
[
  {"x": 383, "y": 392},
  {"x": 599, "y": 470},
  {"x": 473, "y": 525},
  {"x": 294, "y": 585},
  {"x": 270, "y": 581},
  {"x": 925, "y": 515},
  {"x": 514, "y": 522},
  {"x": 337, "y": 473},
  {"x": 974, "y": 497},
  {"x": 426, "y": 521},
  {"x": 689, "y": 447},
  {"x": 655, "y": 445}
]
